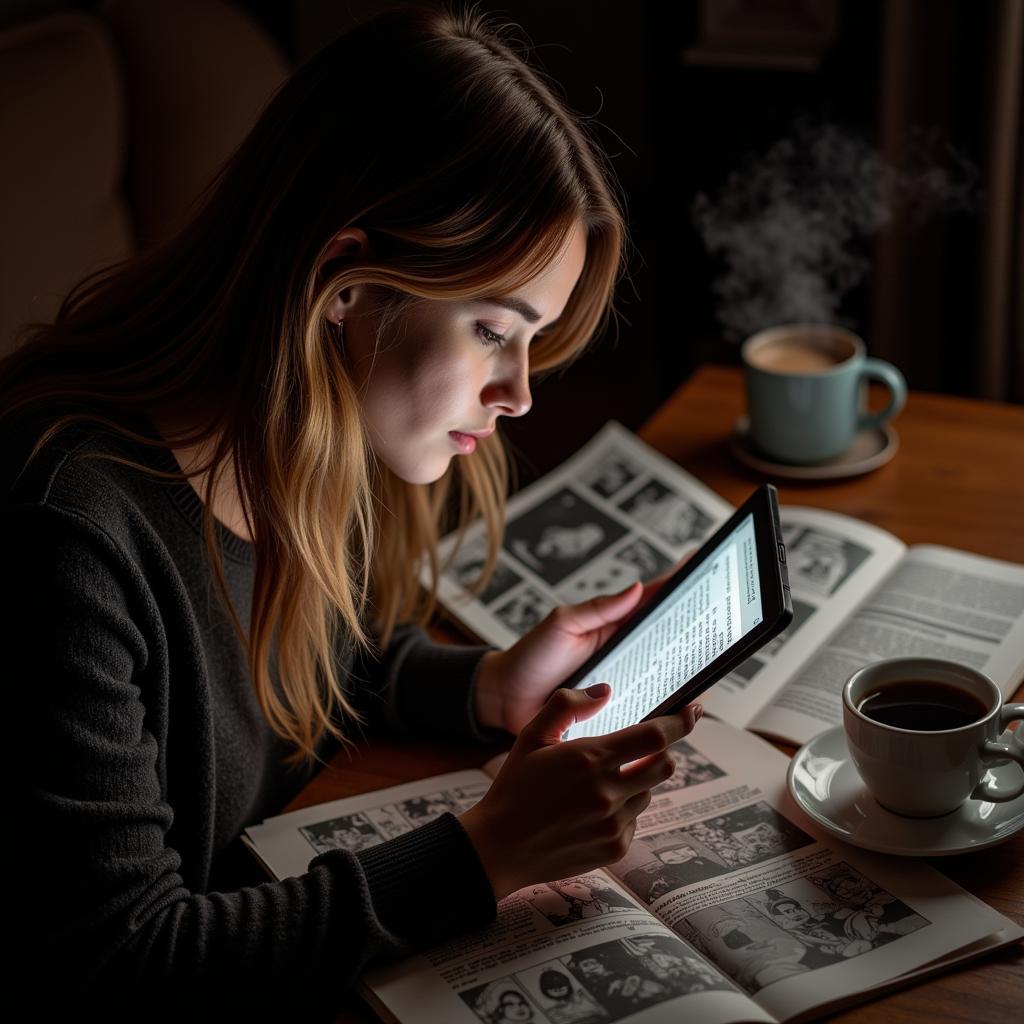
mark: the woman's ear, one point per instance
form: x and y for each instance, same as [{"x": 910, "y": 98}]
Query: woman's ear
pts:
[{"x": 346, "y": 244}]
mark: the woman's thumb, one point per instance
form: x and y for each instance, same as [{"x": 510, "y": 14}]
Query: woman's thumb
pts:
[{"x": 563, "y": 709}]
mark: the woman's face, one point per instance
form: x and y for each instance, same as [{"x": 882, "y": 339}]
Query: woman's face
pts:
[
  {"x": 577, "y": 889},
  {"x": 449, "y": 368},
  {"x": 515, "y": 1007},
  {"x": 791, "y": 916}
]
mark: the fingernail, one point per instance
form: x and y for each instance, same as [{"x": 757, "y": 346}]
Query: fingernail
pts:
[
  {"x": 697, "y": 712},
  {"x": 597, "y": 690}
]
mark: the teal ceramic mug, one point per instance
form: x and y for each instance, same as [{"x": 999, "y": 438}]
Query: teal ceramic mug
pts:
[{"x": 805, "y": 391}]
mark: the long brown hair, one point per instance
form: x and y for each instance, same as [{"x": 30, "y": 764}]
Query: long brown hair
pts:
[{"x": 427, "y": 130}]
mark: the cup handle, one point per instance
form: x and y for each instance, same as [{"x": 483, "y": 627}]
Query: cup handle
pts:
[
  {"x": 879, "y": 369},
  {"x": 1012, "y": 750}
]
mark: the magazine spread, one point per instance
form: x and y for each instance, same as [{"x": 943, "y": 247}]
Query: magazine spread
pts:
[
  {"x": 729, "y": 906},
  {"x": 618, "y": 511}
]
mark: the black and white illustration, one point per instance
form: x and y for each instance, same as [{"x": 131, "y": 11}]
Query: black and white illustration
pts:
[
  {"x": 501, "y": 1001},
  {"x": 421, "y": 809},
  {"x": 605, "y": 576},
  {"x": 375, "y": 825},
  {"x": 351, "y": 832},
  {"x": 671, "y": 516},
  {"x": 468, "y": 564},
  {"x": 611, "y": 473},
  {"x": 659, "y": 864},
  {"x": 605, "y": 982},
  {"x": 523, "y": 610},
  {"x": 615, "y": 571},
  {"x": 692, "y": 768},
  {"x": 821, "y": 562},
  {"x": 812, "y": 922},
  {"x": 559, "y": 996},
  {"x": 560, "y": 535},
  {"x": 647, "y": 560},
  {"x": 576, "y": 899}
]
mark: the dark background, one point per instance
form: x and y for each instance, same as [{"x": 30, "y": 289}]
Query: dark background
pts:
[{"x": 675, "y": 128}]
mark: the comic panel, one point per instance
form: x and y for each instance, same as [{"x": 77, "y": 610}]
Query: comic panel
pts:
[
  {"x": 560, "y": 535},
  {"x": 692, "y": 768},
  {"x": 631, "y": 974},
  {"x": 821, "y": 562},
  {"x": 638, "y": 560},
  {"x": 501, "y": 1000},
  {"x": 523, "y": 610},
  {"x": 367, "y": 828},
  {"x": 351, "y": 832},
  {"x": 466, "y": 568},
  {"x": 661, "y": 863},
  {"x": 421, "y": 809},
  {"x": 668, "y": 514},
  {"x": 602, "y": 983},
  {"x": 611, "y": 474},
  {"x": 575, "y": 899},
  {"x": 824, "y": 918}
]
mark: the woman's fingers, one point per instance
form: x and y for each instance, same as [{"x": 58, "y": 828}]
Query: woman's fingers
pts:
[
  {"x": 648, "y": 772},
  {"x": 649, "y": 737}
]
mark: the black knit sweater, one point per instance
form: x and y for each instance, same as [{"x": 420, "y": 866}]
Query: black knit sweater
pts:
[{"x": 139, "y": 753}]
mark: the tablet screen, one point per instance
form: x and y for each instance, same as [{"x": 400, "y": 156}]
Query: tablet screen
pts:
[{"x": 705, "y": 615}]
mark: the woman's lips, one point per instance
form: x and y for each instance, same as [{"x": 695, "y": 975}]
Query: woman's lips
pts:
[{"x": 466, "y": 443}]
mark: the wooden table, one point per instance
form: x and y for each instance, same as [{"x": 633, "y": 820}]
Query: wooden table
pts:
[{"x": 957, "y": 480}]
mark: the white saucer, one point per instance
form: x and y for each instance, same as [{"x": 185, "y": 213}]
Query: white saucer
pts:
[
  {"x": 824, "y": 782},
  {"x": 869, "y": 450}
]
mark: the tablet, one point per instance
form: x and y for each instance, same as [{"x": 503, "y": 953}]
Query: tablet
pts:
[{"x": 727, "y": 601}]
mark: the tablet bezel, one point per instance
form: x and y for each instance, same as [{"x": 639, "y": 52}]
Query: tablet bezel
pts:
[{"x": 777, "y": 605}]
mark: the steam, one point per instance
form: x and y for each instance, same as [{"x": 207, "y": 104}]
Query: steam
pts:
[{"x": 790, "y": 226}]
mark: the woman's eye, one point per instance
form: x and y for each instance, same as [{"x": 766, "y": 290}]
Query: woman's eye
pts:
[{"x": 490, "y": 337}]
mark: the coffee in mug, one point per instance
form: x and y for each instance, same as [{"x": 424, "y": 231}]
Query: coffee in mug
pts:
[
  {"x": 805, "y": 391},
  {"x": 923, "y": 732},
  {"x": 922, "y": 704}
]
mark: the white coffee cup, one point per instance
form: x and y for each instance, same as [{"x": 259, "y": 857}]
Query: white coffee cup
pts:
[{"x": 923, "y": 773}]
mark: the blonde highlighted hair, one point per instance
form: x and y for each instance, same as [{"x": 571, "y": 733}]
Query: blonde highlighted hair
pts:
[{"x": 427, "y": 130}]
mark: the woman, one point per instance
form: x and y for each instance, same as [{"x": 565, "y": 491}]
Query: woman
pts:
[{"x": 225, "y": 462}]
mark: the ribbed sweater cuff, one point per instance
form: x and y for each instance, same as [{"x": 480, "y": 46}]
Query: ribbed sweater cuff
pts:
[{"x": 428, "y": 885}]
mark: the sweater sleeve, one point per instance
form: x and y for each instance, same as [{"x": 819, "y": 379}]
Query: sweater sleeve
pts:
[
  {"x": 108, "y": 918},
  {"x": 422, "y": 687}
]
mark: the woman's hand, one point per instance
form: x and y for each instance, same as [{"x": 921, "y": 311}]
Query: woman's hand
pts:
[
  {"x": 513, "y": 685},
  {"x": 558, "y": 808}
]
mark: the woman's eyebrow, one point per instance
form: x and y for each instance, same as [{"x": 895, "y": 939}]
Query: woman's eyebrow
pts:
[{"x": 520, "y": 306}]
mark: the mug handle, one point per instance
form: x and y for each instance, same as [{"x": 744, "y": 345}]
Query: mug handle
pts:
[
  {"x": 1012, "y": 749},
  {"x": 879, "y": 369}
]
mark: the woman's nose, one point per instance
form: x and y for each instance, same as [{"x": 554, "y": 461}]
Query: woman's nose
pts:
[{"x": 509, "y": 393}]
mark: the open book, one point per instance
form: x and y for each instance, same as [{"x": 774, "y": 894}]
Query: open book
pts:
[
  {"x": 618, "y": 511},
  {"x": 724, "y": 908}
]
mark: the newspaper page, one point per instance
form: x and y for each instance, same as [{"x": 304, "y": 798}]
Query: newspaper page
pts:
[
  {"x": 794, "y": 919},
  {"x": 936, "y": 603},
  {"x": 615, "y": 512},
  {"x": 834, "y": 563}
]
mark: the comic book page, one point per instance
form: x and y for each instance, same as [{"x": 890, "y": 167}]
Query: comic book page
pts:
[
  {"x": 726, "y": 899},
  {"x": 795, "y": 920},
  {"x": 616, "y": 512},
  {"x": 935, "y": 603},
  {"x": 570, "y": 951},
  {"x": 834, "y": 562}
]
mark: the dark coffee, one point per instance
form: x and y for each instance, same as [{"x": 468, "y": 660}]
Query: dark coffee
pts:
[{"x": 923, "y": 705}]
